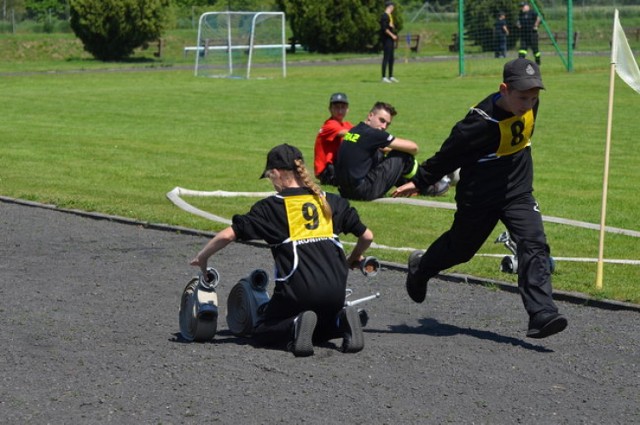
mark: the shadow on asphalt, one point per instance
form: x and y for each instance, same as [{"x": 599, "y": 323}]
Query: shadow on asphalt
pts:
[{"x": 432, "y": 327}]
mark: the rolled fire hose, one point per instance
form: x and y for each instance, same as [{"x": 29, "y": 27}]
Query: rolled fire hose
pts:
[
  {"x": 198, "y": 314},
  {"x": 244, "y": 300}
]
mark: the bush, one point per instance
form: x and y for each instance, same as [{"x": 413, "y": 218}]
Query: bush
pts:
[
  {"x": 336, "y": 26},
  {"x": 111, "y": 29}
]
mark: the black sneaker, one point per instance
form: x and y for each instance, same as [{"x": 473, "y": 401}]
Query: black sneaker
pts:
[
  {"x": 416, "y": 286},
  {"x": 544, "y": 324},
  {"x": 303, "y": 327},
  {"x": 351, "y": 325}
]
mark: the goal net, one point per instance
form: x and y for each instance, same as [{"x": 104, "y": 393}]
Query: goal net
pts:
[{"x": 241, "y": 45}]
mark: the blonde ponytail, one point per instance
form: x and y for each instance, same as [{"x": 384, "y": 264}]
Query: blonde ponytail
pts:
[{"x": 306, "y": 179}]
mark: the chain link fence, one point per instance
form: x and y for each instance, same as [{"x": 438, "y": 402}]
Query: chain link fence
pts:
[{"x": 430, "y": 28}]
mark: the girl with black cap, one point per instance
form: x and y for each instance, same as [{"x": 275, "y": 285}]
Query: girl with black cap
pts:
[{"x": 301, "y": 224}]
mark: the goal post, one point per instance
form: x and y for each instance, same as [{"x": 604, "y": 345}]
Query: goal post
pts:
[{"x": 241, "y": 45}]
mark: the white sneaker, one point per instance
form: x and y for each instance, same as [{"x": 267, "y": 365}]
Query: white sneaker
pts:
[
  {"x": 394, "y": 80},
  {"x": 385, "y": 80}
]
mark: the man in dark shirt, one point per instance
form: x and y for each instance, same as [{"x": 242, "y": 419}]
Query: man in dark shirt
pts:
[
  {"x": 528, "y": 23},
  {"x": 388, "y": 38},
  {"x": 501, "y": 31},
  {"x": 370, "y": 160}
]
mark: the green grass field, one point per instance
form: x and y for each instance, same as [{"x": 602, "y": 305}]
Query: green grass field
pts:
[{"x": 82, "y": 135}]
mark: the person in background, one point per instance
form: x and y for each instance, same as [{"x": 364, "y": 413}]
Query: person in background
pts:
[
  {"x": 388, "y": 38},
  {"x": 301, "y": 224},
  {"x": 501, "y": 31},
  {"x": 528, "y": 23},
  {"x": 492, "y": 148},
  {"x": 329, "y": 138}
]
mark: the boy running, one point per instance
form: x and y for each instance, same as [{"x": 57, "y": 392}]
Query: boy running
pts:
[{"x": 492, "y": 147}]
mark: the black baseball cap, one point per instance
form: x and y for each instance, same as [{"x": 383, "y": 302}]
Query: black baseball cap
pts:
[
  {"x": 338, "y": 98},
  {"x": 522, "y": 74},
  {"x": 389, "y": 3},
  {"x": 282, "y": 157}
]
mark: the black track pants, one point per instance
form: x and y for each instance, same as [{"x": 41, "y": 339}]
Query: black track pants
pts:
[
  {"x": 384, "y": 175},
  {"x": 471, "y": 228},
  {"x": 387, "y": 57}
]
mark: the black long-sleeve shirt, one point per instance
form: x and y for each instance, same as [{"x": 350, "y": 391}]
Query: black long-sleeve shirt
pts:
[
  {"x": 492, "y": 148},
  {"x": 308, "y": 256}
]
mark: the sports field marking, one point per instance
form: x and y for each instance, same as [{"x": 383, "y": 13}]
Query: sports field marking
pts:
[{"x": 177, "y": 193}]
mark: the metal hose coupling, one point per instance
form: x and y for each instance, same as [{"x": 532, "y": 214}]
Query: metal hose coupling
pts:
[
  {"x": 370, "y": 266},
  {"x": 209, "y": 280},
  {"x": 259, "y": 280}
]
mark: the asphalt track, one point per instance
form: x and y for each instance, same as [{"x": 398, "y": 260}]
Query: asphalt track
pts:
[{"x": 89, "y": 313}]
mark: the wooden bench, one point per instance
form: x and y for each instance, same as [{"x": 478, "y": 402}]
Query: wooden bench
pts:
[
  {"x": 159, "y": 47},
  {"x": 413, "y": 41},
  {"x": 202, "y": 50},
  {"x": 633, "y": 33},
  {"x": 455, "y": 42},
  {"x": 558, "y": 36}
]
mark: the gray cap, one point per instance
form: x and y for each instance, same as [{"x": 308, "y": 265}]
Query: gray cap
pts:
[
  {"x": 339, "y": 98},
  {"x": 522, "y": 74}
]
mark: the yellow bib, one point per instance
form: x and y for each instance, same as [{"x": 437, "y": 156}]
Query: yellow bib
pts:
[
  {"x": 515, "y": 133},
  {"x": 306, "y": 219}
]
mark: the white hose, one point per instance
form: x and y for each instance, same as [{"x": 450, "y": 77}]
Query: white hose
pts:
[{"x": 175, "y": 197}]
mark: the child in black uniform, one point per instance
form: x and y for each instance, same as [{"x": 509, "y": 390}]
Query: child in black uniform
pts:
[
  {"x": 301, "y": 223},
  {"x": 492, "y": 147},
  {"x": 371, "y": 161}
]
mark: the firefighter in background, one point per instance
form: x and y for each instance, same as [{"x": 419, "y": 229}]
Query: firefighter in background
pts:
[{"x": 528, "y": 23}]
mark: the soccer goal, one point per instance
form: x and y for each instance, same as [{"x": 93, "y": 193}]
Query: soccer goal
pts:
[{"x": 241, "y": 45}]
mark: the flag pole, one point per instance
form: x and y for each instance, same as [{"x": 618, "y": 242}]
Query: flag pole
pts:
[{"x": 605, "y": 180}]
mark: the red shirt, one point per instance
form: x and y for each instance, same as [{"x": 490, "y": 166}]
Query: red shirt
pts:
[{"x": 327, "y": 143}]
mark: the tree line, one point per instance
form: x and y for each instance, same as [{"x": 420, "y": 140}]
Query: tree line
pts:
[{"x": 111, "y": 30}]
